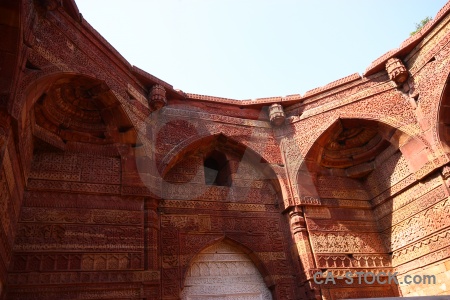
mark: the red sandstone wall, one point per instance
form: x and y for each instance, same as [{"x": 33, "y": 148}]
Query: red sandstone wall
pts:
[
  {"x": 97, "y": 221},
  {"x": 66, "y": 236},
  {"x": 11, "y": 193},
  {"x": 248, "y": 213}
]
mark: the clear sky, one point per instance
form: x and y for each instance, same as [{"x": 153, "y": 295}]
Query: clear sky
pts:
[{"x": 245, "y": 49}]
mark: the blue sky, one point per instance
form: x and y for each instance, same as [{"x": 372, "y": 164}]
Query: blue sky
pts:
[{"x": 245, "y": 49}]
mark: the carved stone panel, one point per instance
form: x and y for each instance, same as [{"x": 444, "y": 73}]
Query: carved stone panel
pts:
[{"x": 223, "y": 272}]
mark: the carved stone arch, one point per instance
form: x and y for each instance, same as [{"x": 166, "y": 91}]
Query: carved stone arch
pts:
[
  {"x": 189, "y": 144},
  {"x": 412, "y": 145},
  {"x": 443, "y": 118},
  {"x": 335, "y": 137},
  {"x": 173, "y": 133},
  {"x": 34, "y": 86},
  {"x": 225, "y": 144},
  {"x": 433, "y": 101},
  {"x": 349, "y": 174},
  {"x": 225, "y": 268},
  {"x": 182, "y": 149},
  {"x": 411, "y": 130},
  {"x": 69, "y": 109}
]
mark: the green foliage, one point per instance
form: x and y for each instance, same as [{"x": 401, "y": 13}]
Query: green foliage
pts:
[{"x": 420, "y": 25}]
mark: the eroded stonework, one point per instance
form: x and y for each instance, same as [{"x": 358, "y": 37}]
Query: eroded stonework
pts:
[{"x": 114, "y": 185}]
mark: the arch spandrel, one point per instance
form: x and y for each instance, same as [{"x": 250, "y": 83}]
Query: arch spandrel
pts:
[
  {"x": 174, "y": 132},
  {"x": 431, "y": 89}
]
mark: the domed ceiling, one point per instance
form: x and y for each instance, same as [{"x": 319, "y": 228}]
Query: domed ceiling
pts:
[
  {"x": 83, "y": 110},
  {"x": 354, "y": 142}
]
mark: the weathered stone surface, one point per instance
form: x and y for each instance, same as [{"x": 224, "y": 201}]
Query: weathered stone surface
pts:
[
  {"x": 113, "y": 185},
  {"x": 396, "y": 70}
]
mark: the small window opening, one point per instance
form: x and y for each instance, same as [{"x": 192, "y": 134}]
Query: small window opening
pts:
[{"x": 217, "y": 170}]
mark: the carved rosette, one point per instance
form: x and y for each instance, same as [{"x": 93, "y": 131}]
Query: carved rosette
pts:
[
  {"x": 157, "y": 97},
  {"x": 276, "y": 114},
  {"x": 396, "y": 70}
]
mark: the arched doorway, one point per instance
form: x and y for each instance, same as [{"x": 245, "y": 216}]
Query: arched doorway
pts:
[{"x": 224, "y": 272}]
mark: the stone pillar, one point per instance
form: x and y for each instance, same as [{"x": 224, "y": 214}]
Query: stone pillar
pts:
[
  {"x": 152, "y": 265},
  {"x": 301, "y": 239}
]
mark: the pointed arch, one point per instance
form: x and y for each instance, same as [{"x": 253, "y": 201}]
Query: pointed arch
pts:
[
  {"x": 68, "y": 110},
  {"x": 37, "y": 84},
  {"x": 226, "y": 143},
  {"x": 218, "y": 259},
  {"x": 443, "y": 118},
  {"x": 191, "y": 144},
  {"x": 434, "y": 101},
  {"x": 407, "y": 140},
  {"x": 351, "y": 172}
]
